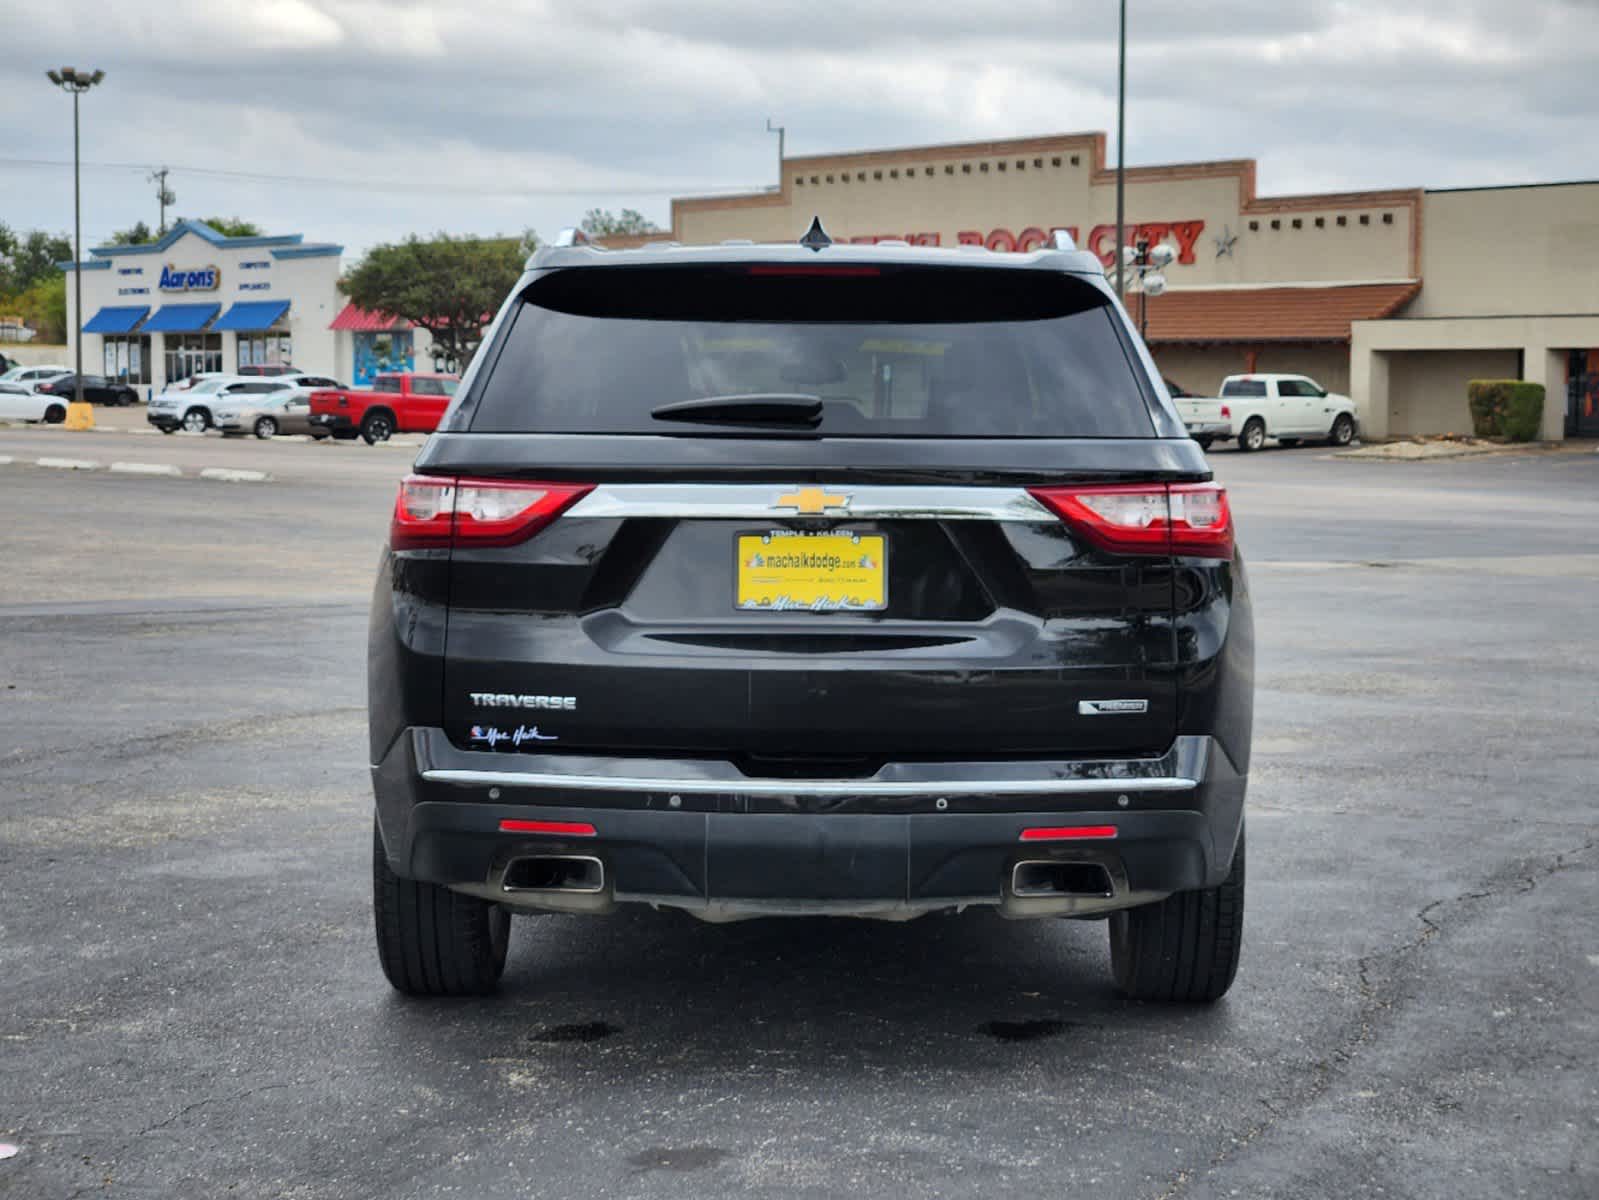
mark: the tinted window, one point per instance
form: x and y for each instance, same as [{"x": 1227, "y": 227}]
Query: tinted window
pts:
[
  {"x": 1244, "y": 387},
  {"x": 386, "y": 383},
  {"x": 433, "y": 387},
  {"x": 890, "y": 351}
]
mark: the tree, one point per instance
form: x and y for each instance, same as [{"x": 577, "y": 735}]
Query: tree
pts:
[
  {"x": 29, "y": 259},
  {"x": 44, "y": 307},
  {"x": 234, "y": 227},
  {"x": 140, "y": 234},
  {"x": 449, "y": 286},
  {"x": 597, "y": 222},
  {"x": 137, "y": 235}
]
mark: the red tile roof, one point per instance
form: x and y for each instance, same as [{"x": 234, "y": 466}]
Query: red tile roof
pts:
[
  {"x": 357, "y": 320},
  {"x": 1269, "y": 314}
]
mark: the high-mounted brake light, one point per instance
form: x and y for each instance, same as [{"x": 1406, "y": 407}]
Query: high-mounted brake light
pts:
[
  {"x": 1180, "y": 518},
  {"x": 435, "y": 511},
  {"x": 833, "y": 269}
]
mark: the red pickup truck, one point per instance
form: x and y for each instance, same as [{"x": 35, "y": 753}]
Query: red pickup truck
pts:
[{"x": 396, "y": 403}]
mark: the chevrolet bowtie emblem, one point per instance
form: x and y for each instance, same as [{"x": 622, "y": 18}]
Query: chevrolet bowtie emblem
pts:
[{"x": 812, "y": 500}]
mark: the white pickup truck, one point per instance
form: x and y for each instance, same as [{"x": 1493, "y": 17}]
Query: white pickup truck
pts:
[{"x": 1251, "y": 408}]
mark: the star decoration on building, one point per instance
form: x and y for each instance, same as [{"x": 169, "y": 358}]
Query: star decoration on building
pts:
[{"x": 1226, "y": 242}]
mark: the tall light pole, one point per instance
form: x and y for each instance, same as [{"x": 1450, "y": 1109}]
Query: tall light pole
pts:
[
  {"x": 1121, "y": 143},
  {"x": 69, "y": 79},
  {"x": 777, "y": 129}
]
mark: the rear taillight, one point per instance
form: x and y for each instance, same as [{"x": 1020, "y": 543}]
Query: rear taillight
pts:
[
  {"x": 434, "y": 511},
  {"x": 1226, "y": 412},
  {"x": 1178, "y": 518}
]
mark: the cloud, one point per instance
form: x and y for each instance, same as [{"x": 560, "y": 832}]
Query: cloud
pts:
[{"x": 508, "y": 113}]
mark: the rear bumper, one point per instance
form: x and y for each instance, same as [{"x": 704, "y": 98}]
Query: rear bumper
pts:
[
  {"x": 915, "y": 838},
  {"x": 330, "y": 421},
  {"x": 1211, "y": 429}
]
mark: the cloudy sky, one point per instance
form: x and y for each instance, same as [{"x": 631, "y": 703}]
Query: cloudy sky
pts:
[{"x": 359, "y": 121}]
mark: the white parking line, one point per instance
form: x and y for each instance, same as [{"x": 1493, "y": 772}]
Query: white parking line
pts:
[
  {"x": 70, "y": 464},
  {"x": 132, "y": 468},
  {"x": 6, "y": 460},
  {"x": 228, "y": 475}
]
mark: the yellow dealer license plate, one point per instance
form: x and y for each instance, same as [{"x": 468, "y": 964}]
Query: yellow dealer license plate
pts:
[{"x": 791, "y": 571}]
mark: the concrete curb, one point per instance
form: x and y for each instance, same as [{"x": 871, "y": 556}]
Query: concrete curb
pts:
[
  {"x": 133, "y": 468},
  {"x": 229, "y": 475},
  {"x": 69, "y": 464}
]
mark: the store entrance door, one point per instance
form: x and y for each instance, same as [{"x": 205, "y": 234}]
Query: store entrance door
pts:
[{"x": 1582, "y": 393}]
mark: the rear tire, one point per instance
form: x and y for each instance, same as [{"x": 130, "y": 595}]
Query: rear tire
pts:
[
  {"x": 376, "y": 428},
  {"x": 1184, "y": 947},
  {"x": 55, "y": 414},
  {"x": 1343, "y": 430},
  {"x": 431, "y": 941},
  {"x": 1253, "y": 435}
]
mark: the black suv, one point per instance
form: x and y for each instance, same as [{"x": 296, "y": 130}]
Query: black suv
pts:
[{"x": 811, "y": 579}]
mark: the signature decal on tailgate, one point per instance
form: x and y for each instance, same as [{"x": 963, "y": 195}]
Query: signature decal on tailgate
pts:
[{"x": 492, "y": 735}]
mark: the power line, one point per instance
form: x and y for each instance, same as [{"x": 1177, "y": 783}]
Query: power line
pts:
[{"x": 398, "y": 185}]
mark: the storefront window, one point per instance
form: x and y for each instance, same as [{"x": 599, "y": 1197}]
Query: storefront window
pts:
[
  {"x": 190, "y": 353},
  {"x": 376, "y": 352},
  {"x": 127, "y": 357},
  {"x": 262, "y": 349}
]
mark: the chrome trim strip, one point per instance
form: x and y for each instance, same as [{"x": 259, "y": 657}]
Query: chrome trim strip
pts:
[
  {"x": 758, "y": 502},
  {"x": 810, "y": 787}
]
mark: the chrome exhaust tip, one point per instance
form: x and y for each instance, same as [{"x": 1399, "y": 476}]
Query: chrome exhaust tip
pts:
[
  {"x": 571, "y": 873},
  {"x": 1047, "y": 879}
]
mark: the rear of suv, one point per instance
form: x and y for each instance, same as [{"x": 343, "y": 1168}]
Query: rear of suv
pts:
[{"x": 811, "y": 579}]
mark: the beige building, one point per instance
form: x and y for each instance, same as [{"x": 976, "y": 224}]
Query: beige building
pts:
[{"x": 1399, "y": 297}]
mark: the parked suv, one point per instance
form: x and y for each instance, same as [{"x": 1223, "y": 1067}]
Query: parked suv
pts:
[{"x": 809, "y": 579}]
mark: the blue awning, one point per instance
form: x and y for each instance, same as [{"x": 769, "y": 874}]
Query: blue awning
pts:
[
  {"x": 115, "y": 320},
  {"x": 181, "y": 318},
  {"x": 252, "y": 315}
]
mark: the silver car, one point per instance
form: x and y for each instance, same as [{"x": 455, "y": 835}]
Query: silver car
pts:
[{"x": 270, "y": 405}]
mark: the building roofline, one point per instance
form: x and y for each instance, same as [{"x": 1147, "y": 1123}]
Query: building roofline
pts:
[
  {"x": 1515, "y": 187},
  {"x": 202, "y": 230}
]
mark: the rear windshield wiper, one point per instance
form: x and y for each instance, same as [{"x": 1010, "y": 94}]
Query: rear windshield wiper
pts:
[{"x": 753, "y": 408}]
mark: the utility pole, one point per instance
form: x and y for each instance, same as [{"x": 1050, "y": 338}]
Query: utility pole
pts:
[
  {"x": 163, "y": 197},
  {"x": 777, "y": 129},
  {"x": 1121, "y": 144},
  {"x": 80, "y": 415}
]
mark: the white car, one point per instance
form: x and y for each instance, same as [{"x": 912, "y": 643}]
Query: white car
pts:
[
  {"x": 1251, "y": 408},
  {"x": 19, "y": 402},
  {"x": 32, "y": 377},
  {"x": 190, "y": 408}
]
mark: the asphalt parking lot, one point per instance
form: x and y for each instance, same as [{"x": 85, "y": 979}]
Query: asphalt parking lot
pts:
[{"x": 190, "y": 1004}]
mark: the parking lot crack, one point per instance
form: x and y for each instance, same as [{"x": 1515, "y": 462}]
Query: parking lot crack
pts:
[
  {"x": 198, "y": 1104},
  {"x": 1380, "y": 1000}
]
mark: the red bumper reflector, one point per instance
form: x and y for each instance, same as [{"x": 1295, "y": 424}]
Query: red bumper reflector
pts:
[
  {"x": 1068, "y": 833},
  {"x": 559, "y": 828}
]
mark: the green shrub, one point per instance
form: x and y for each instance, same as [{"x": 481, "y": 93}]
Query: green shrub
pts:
[{"x": 1507, "y": 408}]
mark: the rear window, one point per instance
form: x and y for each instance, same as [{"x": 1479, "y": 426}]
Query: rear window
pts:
[
  {"x": 1244, "y": 387},
  {"x": 889, "y": 351},
  {"x": 433, "y": 387}
]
